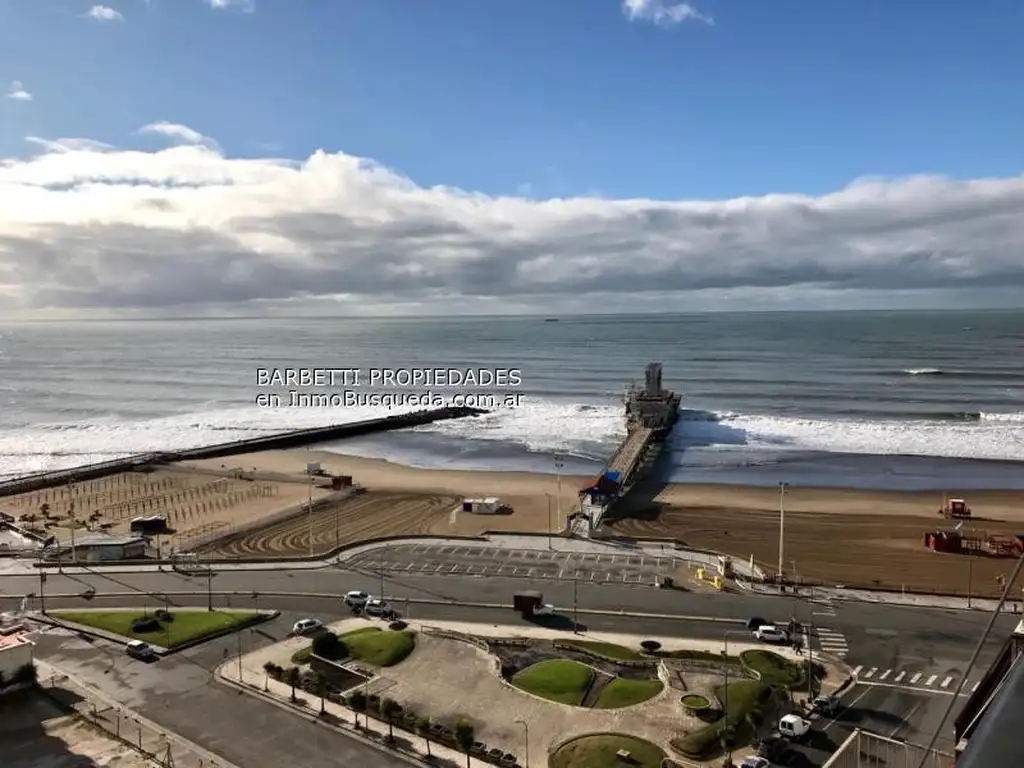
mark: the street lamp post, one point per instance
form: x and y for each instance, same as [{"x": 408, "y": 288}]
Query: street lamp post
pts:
[
  {"x": 550, "y": 544},
  {"x": 312, "y": 553},
  {"x": 559, "y": 463},
  {"x": 526, "y": 731},
  {"x": 725, "y": 666},
  {"x": 782, "y": 523}
]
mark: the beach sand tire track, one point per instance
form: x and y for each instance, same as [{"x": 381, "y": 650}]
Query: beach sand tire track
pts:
[{"x": 368, "y": 515}]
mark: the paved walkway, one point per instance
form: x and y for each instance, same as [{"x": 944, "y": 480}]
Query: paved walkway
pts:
[
  {"x": 125, "y": 725},
  {"x": 479, "y": 688}
]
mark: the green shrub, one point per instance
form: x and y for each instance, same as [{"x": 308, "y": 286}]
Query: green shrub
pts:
[{"x": 329, "y": 646}]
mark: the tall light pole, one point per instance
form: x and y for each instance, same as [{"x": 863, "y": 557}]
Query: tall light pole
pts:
[
  {"x": 311, "y": 552},
  {"x": 559, "y": 463},
  {"x": 526, "y": 731},
  {"x": 782, "y": 524},
  {"x": 725, "y": 667},
  {"x": 550, "y": 545}
]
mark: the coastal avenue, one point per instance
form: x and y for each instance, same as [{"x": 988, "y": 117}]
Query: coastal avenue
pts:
[{"x": 930, "y": 643}]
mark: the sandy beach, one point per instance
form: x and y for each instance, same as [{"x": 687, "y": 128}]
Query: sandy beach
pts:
[{"x": 528, "y": 492}]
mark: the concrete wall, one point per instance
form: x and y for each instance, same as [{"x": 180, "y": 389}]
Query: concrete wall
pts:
[{"x": 14, "y": 657}]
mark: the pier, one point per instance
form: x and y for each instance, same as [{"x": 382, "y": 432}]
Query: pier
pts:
[
  {"x": 278, "y": 441},
  {"x": 651, "y": 413}
]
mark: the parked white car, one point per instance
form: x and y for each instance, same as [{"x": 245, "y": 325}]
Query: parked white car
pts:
[
  {"x": 769, "y": 633},
  {"x": 306, "y": 626},
  {"x": 356, "y": 598},
  {"x": 794, "y": 726}
]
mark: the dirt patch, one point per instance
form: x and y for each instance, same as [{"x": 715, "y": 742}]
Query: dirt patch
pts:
[
  {"x": 861, "y": 550},
  {"x": 363, "y": 516}
]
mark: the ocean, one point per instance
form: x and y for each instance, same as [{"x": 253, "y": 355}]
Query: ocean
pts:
[{"x": 900, "y": 400}]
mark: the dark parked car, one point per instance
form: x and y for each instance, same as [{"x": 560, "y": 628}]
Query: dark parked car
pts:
[{"x": 825, "y": 705}]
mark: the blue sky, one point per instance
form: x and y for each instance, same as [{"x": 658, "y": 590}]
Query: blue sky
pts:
[{"x": 555, "y": 98}]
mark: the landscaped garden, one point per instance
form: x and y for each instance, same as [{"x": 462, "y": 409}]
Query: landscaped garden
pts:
[
  {"x": 601, "y": 750},
  {"x": 166, "y": 629},
  {"x": 373, "y": 645},
  {"x": 560, "y": 680}
]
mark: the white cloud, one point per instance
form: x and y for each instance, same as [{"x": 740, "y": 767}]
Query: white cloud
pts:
[
  {"x": 85, "y": 225},
  {"x": 16, "y": 90},
  {"x": 178, "y": 133},
  {"x": 245, "y": 5},
  {"x": 663, "y": 14},
  {"x": 104, "y": 13}
]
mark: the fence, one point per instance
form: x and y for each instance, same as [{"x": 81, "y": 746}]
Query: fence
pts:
[{"x": 864, "y": 749}]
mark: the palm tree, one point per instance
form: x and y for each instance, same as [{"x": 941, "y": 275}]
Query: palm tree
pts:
[
  {"x": 293, "y": 677},
  {"x": 388, "y": 708},
  {"x": 465, "y": 735},
  {"x": 423, "y": 729}
]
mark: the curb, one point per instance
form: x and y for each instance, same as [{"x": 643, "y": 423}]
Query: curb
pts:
[
  {"x": 413, "y": 758},
  {"x": 393, "y": 599}
]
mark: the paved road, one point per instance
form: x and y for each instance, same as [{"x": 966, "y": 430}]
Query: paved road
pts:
[
  {"x": 931, "y": 643},
  {"x": 450, "y": 559},
  {"x": 897, "y": 713},
  {"x": 179, "y": 693}
]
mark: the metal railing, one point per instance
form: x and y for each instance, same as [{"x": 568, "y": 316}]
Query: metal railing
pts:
[{"x": 864, "y": 749}]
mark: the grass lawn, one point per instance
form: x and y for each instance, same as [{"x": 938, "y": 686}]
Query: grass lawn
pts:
[
  {"x": 622, "y": 692},
  {"x": 558, "y": 680},
  {"x": 187, "y": 626},
  {"x": 599, "y": 751},
  {"x": 773, "y": 668},
  {"x": 611, "y": 650},
  {"x": 380, "y": 647}
]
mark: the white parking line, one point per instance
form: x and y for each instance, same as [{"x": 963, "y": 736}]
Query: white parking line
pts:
[
  {"x": 946, "y": 682},
  {"x": 975, "y": 687},
  {"x": 856, "y": 670},
  {"x": 529, "y": 571},
  {"x": 885, "y": 674},
  {"x": 900, "y": 676},
  {"x": 560, "y": 572},
  {"x": 453, "y": 569},
  {"x": 592, "y": 575},
  {"x": 515, "y": 570},
  {"x": 871, "y": 672},
  {"x": 915, "y": 678},
  {"x": 608, "y": 576},
  {"x": 624, "y": 577},
  {"x": 439, "y": 567},
  {"x": 931, "y": 680}
]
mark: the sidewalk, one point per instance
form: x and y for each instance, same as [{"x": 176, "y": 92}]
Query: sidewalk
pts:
[{"x": 124, "y": 725}]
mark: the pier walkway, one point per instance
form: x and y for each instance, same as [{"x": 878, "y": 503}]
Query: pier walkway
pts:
[{"x": 630, "y": 453}]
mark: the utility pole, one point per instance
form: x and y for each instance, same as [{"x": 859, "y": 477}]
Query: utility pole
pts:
[
  {"x": 382, "y": 579},
  {"x": 575, "y": 604},
  {"x": 970, "y": 577},
  {"x": 42, "y": 591},
  {"x": 810, "y": 646},
  {"x": 209, "y": 587},
  {"x": 782, "y": 524}
]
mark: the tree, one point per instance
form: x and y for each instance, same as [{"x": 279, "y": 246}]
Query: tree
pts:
[
  {"x": 389, "y": 708},
  {"x": 292, "y": 676},
  {"x": 423, "y": 729},
  {"x": 329, "y": 646},
  {"x": 465, "y": 735},
  {"x": 320, "y": 681}
]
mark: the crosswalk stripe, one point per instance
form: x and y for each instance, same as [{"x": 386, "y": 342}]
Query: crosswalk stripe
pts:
[
  {"x": 931, "y": 680},
  {"x": 856, "y": 670},
  {"x": 946, "y": 682},
  {"x": 975, "y": 686},
  {"x": 871, "y": 672},
  {"x": 885, "y": 674},
  {"x": 900, "y": 676},
  {"x": 915, "y": 678}
]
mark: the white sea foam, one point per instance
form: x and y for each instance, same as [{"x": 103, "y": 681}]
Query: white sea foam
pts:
[
  {"x": 923, "y": 371},
  {"x": 587, "y": 431}
]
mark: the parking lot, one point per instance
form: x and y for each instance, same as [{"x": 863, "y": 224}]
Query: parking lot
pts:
[{"x": 442, "y": 560}]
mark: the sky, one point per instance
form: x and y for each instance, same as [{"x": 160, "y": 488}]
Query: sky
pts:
[{"x": 464, "y": 156}]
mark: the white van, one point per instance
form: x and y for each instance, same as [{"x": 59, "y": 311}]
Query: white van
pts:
[{"x": 794, "y": 726}]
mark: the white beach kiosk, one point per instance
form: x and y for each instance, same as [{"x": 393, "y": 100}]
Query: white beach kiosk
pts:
[{"x": 489, "y": 506}]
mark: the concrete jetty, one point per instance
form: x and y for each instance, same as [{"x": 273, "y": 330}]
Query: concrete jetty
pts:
[{"x": 279, "y": 441}]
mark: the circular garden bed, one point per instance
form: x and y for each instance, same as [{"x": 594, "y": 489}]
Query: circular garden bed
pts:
[{"x": 601, "y": 750}]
